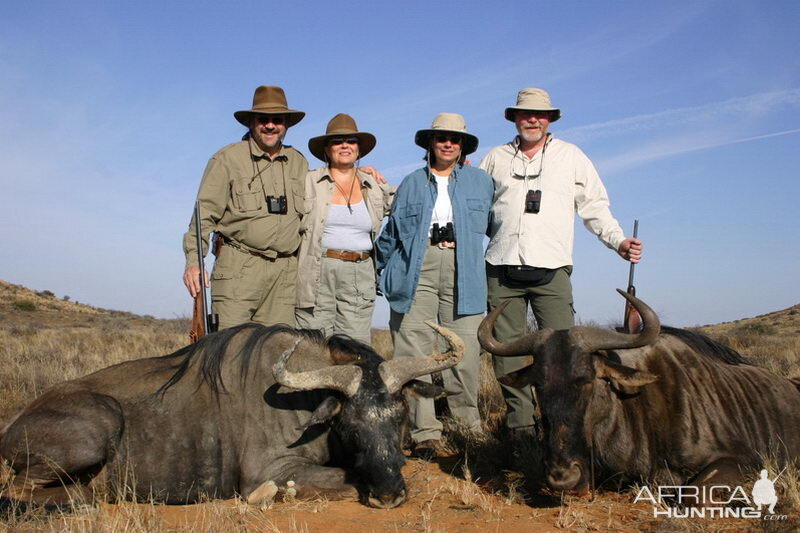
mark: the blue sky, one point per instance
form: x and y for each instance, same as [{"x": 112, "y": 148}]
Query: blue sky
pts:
[{"x": 690, "y": 111}]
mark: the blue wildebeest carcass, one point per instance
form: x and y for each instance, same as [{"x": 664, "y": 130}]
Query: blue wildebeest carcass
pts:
[
  {"x": 243, "y": 411},
  {"x": 663, "y": 403}
]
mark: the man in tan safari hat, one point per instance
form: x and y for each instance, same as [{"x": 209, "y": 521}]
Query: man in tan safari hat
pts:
[
  {"x": 252, "y": 196},
  {"x": 540, "y": 182}
]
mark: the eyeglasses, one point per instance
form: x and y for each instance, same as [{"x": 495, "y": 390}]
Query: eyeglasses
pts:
[
  {"x": 336, "y": 141},
  {"x": 275, "y": 119},
  {"x": 454, "y": 139}
]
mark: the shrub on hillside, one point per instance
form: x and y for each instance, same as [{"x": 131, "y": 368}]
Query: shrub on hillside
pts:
[{"x": 23, "y": 305}]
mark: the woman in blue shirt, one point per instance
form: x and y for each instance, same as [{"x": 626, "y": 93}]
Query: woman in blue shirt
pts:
[{"x": 430, "y": 260}]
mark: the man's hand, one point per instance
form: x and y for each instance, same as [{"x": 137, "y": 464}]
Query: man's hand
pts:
[
  {"x": 372, "y": 171},
  {"x": 191, "y": 278},
  {"x": 631, "y": 250}
]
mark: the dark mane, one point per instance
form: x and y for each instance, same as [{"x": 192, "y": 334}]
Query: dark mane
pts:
[
  {"x": 211, "y": 350},
  {"x": 706, "y": 346}
]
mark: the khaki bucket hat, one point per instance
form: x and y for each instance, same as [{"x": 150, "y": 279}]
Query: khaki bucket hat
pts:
[
  {"x": 447, "y": 123},
  {"x": 532, "y": 100},
  {"x": 269, "y": 100},
  {"x": 342, "y": 125}
]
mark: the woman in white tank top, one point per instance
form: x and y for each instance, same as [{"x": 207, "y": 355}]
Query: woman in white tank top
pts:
[{"x": 344, "y": 209}]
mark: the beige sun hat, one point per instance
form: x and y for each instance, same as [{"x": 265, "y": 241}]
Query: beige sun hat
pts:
[
  {"x": 532, "y": 100},
  {"x": 269, "y": 100},
  {"x": 339, "y": 126},
  {"x": 447, "y": 123}
]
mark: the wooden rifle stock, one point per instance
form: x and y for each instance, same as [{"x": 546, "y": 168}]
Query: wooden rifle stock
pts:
[
  {"x": 203, "y": 322},
  {"x": 632, "y": 321}
]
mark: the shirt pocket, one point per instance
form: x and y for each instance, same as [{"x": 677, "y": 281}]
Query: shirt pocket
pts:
[
  {"x": 248, "y": 195},
  {"x": 408, "y": 220},
  {"x": 301, "y": 205},
  {"x": 478, "y": 213}
]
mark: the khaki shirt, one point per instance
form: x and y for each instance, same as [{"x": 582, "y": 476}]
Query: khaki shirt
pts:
[
  {"x": 233, "y": 200},
  {"x": 319, "y": 192},
  {"x": 569, "y": 184}
]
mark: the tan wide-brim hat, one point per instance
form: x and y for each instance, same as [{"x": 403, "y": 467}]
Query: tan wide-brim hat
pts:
[
  {"x": 447, "y": 123},
  {"x": 269, "y": 100},
  {"x": 532, "y": 100},
  {"x": 342, "y": 125}
]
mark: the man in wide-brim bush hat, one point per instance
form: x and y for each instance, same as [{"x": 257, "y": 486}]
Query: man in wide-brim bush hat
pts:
[{"x": 252, "y": 195}]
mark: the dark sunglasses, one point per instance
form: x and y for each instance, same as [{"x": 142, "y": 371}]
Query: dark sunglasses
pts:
[
  {"x": 454, "y": 139},
  {"x": 336, "y": 141},
  {"x": 275, "y": 119}
]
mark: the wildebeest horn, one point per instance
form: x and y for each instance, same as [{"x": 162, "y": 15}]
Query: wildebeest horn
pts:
[
  {"x": 401, "y": 370},
  {"x": 523, "y": 346},
  {"x": 594, "y": 339},
  {"x": 344, "y": 378}
]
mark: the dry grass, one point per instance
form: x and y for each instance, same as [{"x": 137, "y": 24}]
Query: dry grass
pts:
[{"x": 59, "y": 340}]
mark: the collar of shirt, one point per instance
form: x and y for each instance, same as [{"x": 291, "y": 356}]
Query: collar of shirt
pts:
[
  {"x": 453, "y": 174},
  {"x": 514, "y": 150},
  {"x": 258, "y": 153},
  {"x": 363, "y": 177}
]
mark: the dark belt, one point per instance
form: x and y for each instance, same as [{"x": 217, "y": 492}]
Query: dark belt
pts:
[
  {"x": 222, "y": 239},
  {"x": 346, "y": 255}
]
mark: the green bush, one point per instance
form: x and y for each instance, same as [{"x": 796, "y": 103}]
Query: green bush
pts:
[{"x": 24, "y": 305}]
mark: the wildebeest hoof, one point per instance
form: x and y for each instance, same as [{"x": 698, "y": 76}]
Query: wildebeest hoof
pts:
[{"x": 264, "y": 494}]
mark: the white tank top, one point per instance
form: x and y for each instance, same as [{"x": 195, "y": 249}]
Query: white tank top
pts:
[{"x": 348, "y": 231}]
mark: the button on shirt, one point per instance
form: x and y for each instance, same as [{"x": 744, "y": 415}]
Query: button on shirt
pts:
[{"x": 569, "y": 183}]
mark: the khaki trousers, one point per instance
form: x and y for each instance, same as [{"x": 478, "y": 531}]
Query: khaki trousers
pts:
[
  {"x": 435, "y": 300},
  {"x": 345, "y": 299},
  {"x": 552, "y": 307},
  {"x": 247, "y": 288}
]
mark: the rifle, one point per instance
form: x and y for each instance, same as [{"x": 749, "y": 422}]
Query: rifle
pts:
[
  {"x": 203, "y": 322},
  {"x": 632, "y": 321}
]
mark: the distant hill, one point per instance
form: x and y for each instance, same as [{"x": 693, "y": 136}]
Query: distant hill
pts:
[
  {"x": 20, "y": 306},
  {"x": 784, "y": 322}
]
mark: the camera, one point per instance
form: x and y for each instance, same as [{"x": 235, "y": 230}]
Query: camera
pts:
[
  {"x": 445, "y": 234},
  {"x": 277, "y": 205},
  {"x": 533, "y": 201}
]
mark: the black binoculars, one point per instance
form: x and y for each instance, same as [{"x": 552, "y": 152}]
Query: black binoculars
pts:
[{"x": 445, "y": 234}]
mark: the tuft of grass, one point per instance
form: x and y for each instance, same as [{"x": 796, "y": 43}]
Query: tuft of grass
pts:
[{"x": 23, "y": 305}]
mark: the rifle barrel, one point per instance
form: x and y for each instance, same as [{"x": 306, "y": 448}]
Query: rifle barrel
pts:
[{"x": 633, "y": 265}]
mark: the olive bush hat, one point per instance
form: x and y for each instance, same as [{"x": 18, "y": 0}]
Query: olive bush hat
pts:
[
  {"x": 342, "y": 125},
  {"x": 532, "y": 100},
  {"x": 269, "y": 100},
  {"x": 447, "y": 123}
]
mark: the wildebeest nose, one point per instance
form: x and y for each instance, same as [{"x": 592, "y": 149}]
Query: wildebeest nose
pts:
[
  {"x": 388, "y": 501},
  {"x": 561, "y": 477}
]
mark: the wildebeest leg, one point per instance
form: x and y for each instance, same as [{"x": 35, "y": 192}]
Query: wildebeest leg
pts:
[
  {"x": 310, "y": 481},
  {"x": 725, "y": 471},
  {"x": 61, "y": 440}
]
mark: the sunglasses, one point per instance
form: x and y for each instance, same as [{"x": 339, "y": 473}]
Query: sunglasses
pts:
[
  {"x": 336, "y": 141},
  {"x": 454, "y": 139},
  {"x": 275, "y": 119}
]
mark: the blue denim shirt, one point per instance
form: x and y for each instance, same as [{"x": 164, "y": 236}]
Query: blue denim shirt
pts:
[{"x": 401, "y": 246}]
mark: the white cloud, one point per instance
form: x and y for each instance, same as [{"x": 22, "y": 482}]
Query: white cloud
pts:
[{"x": 757, "y": 104}]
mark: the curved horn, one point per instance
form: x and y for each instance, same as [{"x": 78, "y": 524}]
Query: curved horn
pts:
[
  {"x": 523, "y": 346},
  {"x": 399, "y": 371},
  {"x": 343, "y": 378},
  {"x": 594, "y": 339}
]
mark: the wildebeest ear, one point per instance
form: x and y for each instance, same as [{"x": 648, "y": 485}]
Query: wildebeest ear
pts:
[
  {"x": 329, "y": 408},
  {"x": 623, "y": 378},
  {"x": 517, "y": 379},
  {"x": 423, "y": 389}
]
